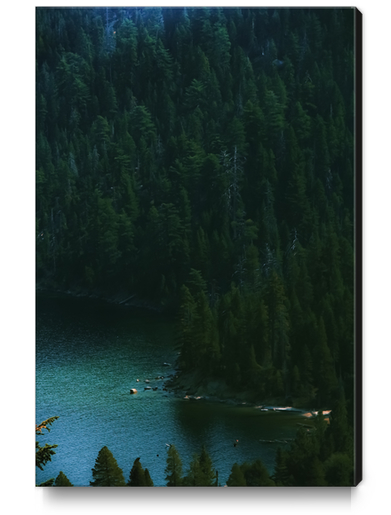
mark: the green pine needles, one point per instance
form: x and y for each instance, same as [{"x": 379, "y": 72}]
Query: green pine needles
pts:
[
  {"x": 106, "y": 471},
  {"x": 44, "y": 454}
]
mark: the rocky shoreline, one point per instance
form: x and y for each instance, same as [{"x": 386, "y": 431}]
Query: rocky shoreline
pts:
[
  {"x": 190, "y": 386},
  {"x": 194, "y": 387}
]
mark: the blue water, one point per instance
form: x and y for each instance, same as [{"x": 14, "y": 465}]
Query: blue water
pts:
[{"x": 88, "y": 356}]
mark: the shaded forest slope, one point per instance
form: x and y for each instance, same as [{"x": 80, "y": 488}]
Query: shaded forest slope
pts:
[{"x": 203, "y": 159}]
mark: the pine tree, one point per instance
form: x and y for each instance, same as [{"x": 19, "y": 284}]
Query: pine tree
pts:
[
  {"x": 303, "y": 464},
  {"x": 186, "y": 339},
  {"x": 137, "y": 475},
  {"x": 326, "y": 378},
  {"x": 206, "y": 465},
  {"x": 174, "y": 467},
  {"x": 148, "y": 479},
  {"x": 44, "y": 454},
  {"x": 194, "y": 476},
  {"x": 338, "y": 470},
  {"x": 106, "y": 471},
  {"x": 62, "y": 480},
  {"x": 236, "y": 478},
  {"x": 256, "y": 474},
  {"x": 280, "y": 476},
  {"x": 340, "y": 433},
  {"x": 278, "y": 320}
]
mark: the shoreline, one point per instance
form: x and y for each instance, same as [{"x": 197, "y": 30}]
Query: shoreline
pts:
[
  {"x": 119, "y": 299},
  {"x": 190, "y": 386},
  {"x": 193, "y": 388}
]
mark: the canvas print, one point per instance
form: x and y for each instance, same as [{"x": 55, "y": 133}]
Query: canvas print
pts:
[{"x": 198, "y": 229}]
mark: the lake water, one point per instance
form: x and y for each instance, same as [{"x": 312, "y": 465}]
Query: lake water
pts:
[{"x": 88, "y": 356}]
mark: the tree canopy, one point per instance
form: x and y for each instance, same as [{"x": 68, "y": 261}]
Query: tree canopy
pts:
[
  {"x": 44, "y": 454},
  {"x": 106, "y": 471}
]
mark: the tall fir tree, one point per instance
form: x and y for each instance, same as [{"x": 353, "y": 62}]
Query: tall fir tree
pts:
[
  {"x": 174, "y": 467},
  {"x": 106, "y": 471},
  {"x": 62, "y": 480}
]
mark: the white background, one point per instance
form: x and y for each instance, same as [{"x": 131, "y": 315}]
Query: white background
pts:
[{"x": 17, "y": 283}]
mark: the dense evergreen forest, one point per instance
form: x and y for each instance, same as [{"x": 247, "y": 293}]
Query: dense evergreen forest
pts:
[{"x": 203, "y": 159}]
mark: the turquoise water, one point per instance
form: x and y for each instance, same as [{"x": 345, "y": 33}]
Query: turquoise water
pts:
[{"x": 88, "y": 356}]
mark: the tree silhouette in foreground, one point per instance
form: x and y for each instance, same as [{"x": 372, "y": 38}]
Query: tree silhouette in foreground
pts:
[
  {"x": 148, "y": 479},
  {"x": 62, "y": 480},
  {"x": 139, "y": 476},
  {"x": 250, "y": 474},
  {"x": 236, "y": 477},
  {"x": 174, "y": 467},
  {"x": 106, "y": 471},
  {"x": 44, "y": 454}
]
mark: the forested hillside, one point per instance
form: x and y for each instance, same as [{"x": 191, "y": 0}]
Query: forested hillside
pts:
[{"x": 203, "y": 159}]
